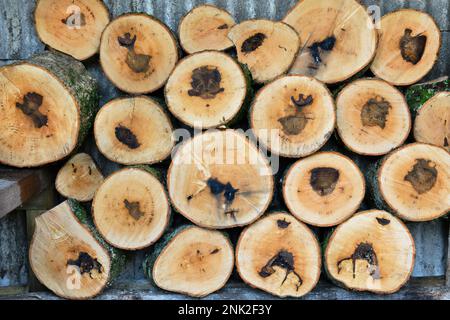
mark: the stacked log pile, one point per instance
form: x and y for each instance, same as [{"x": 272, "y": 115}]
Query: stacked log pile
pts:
[{"x": 361, "y": 146}]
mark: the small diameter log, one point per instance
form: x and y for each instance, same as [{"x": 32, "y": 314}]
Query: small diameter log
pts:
[
  {"x": 293, "y": 116},
  {"x": 268, "y": 48},
  {"x": 72, "y": 27},
  {"x": 220, "y": 180},
  {"x": 138, "y": 53},
  {"x": 413, "y": 182},
  {"x": 408, "y": 47},
  {"x": 134, "y": 131},
  {"x": 324, "y": 189},
  {"x": 192, "y": 261},
  {"x": 207, "y": 90},
  {"x": 79, "y": 178},
  {"x": 69, "y": 257},
  {"x": 432, "y": 123},
  {"x": 280, "y": 255},
  {"x": 373, "y": 117},
  {"x": 339, "y": 39},
  {"x": 47, "y": 108},
  {"x": 373, "y": 251},
  {"x": 131, "y": 208},
  {"x": 205, "y": 28}
]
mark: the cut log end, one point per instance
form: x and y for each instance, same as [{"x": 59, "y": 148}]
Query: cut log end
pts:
[
  {"x": 206, "y": 28},
  {"x": 131, "y": 209},
  {"x": 324, "y": 189},
  {"x": 74, "y": 28},
  {"x": 280, "y": 255},
  {"x": 79, "y": 178},
  {"x": 206, "y": 90},
  {"x": 138, "y": 53},
  {"x": 373, "y": 117},
  {"x": 409, "y": 46},
  {"x": 414, "y": 182},
  {"x": 339, "y": 39},
  {"x": 267, "y": 48},
  {"x": 66, "y": 257},
  {"x": 373, "y": 251},
  {"x": 220, "y": 180},
  {"x": 134, "y": 131},
  {"x": 196, "y": 262},
  {"x": 293, "y": 116}
]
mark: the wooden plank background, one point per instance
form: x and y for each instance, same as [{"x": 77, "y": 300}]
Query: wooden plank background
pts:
[{"x": 19, "y": 41}]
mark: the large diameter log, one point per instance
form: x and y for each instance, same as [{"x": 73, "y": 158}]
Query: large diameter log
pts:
[
  {"x": 324, "y": 189},
  {"x": 205, "y": 28},
  {"x": 413, "y": 182},
  {"x": 339, "y": 38},
  {"x": 408, "y": 47},
  {"x": 373, "y": 251},
  {"x": 131, "y": 209},
  {"x": 192, "y": 261},
  {"x": 220, "y": 180},
  {"x": 268, "y": 48},
  {"x": 418, "y": 94},
  {"x": 72, "y": 27},
  {"x": 138, "y": 53},
  {"x": 69, "y": 257},
  {"x": 47, "y": 106},
  {"x": 79, "y": 178},
  {"x": 280, "y": 255},
  {"x": 207, "y": 90},
  {"x": 134, "y": 131},
  {"x": 293, "y": 116},
  {"x": 373, "y": 117}
]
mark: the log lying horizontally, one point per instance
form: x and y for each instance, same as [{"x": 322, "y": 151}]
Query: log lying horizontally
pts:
[{"x": 41, "y": 123}]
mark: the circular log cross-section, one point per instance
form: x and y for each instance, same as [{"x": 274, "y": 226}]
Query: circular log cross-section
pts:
[
  {"x": 46, "y": 109},
  {"x": 268, "y": 48},
  {"x": 138, "y": 53},
  {"x": 339, "y": 38},
  {"x": 280, "y": 255},
  {"x": 206, "y": 90},
  {"x": 193, "y": 261},
  {"x": 205, "y": 28},
  {"x": 66, "y": 257},
  {"x": 72, "y": 26},
  {"x": 131, "y": 209},
  {"x": 293, "y": 116},
  {"x": 373, "y": 117},
  {"x": 134, "y": 131},
  {"x": 324, "y": 189},
  {"x": 414, "y": 182},
  {"x": 408, "y": 48},
  {"x": 432, "y": 123},
  {"x": 220, "y": 180},
  {"x": 373, "y": 251},
  {"x": 79, "y": 178}
]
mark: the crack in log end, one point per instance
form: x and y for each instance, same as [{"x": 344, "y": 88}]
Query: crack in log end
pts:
[
  {"x": 217, "y": 188},
  {"x": 375, "y": 112},
  {"x": 412, "y": 47},
  {"x": 86, "y": 264},
  {"x": 383, "y": 221},
  {"x": 75, "y": 20},
  {"x": 302, "y": 101},
  {"x": 324, "y": 180},
  {"x": 253, "y": 43},
  {"x": 317, "y": 47},
  {"x": 134, "y": 209},
  {"x": 139, "y": 63},
  {"x": 283, "y": 260},
  {"x": 32, "y": 101},
  {"x": 422, "y": 176},
  {"x": 223, "y": 26},
  {"x": 283, "y": 224},
  {"x": 127, "y": 137},
  {"x": 364, "y": 251},
  {"x": 294, "y": 124},
  {"x": 215, "y": 251},
  {"x": 206, "y": 82}
]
